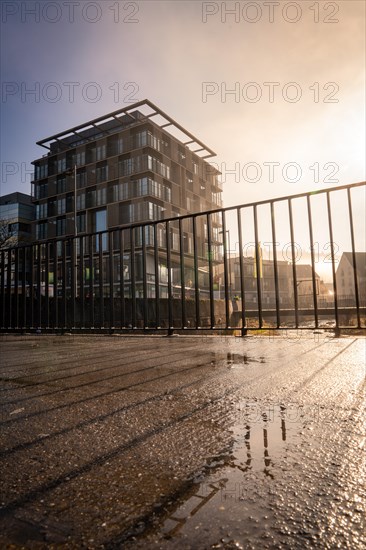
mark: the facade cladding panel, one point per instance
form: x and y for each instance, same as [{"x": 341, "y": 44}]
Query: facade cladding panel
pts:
[{"x": 128, "y": 170}]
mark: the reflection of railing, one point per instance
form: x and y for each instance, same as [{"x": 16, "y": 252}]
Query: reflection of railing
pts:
[{"x": 175, "y": 274}]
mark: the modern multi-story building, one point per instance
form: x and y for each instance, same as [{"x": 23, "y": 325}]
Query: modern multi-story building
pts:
[
  {"x": 16, "y": 217},
  {"x": 130, "y": 167}
]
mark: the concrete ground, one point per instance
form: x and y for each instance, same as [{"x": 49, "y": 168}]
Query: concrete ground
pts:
[{"x": 183, "y": 442}]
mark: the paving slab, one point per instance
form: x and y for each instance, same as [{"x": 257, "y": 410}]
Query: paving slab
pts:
[{"x": 188, "y": 442}]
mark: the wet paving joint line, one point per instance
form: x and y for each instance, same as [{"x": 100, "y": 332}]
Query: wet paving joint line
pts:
[
  {"x": 312, "y": 376},
  {"x": 91, "y": 383},
  {"x": 100, "y": 461},
  {"x": 76, "y": 374},
  {"x": 92, "y": 356},
  {"x": 48, "y": 351},
  {"x": 84, "y": 359},
  {"x": 126, "y": 408},
  {"x": 104, "y": 394},
  {"x": 25, "y": 445},
  {"x": 100, "y": 395},
  {"x": 148, "y": 519}
]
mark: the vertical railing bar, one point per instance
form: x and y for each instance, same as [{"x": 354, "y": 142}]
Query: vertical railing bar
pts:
[
  {"x": 156, "y": 266},
  {"x": 91, "y": 279},
  {"x": 241, "y": 270},
  {"x": 258, "y": 266},
  {"x": 39, "y": 294},
  {"x": 64, "y": 274},
  {"x": 2, "y": 267},
  {"x": 226, "y": 280},
  {"x": 132, "y": 279},
  {"x": 144, "y": 275},
  {"x": 101, "y": 279},
  {"x": 275, "y": 265},
  {"x": 350, "y": 211},
  {"x": 210, "y": 271},
  {"x": 195, "y": 264},
  {"x": 31, "y": 292},
  {"x": 168, "y": 262},
  {"x": 81, "y": 284},
  {"x": 313, "y": 273},
  {"x": 46, "y": 285},
  {"x": 8, "y": 285},
  {"x": 293, "y": 258},
  {"x": 182, "y": 275},
  {"x": 73, "y": 245},
  {"x": 333, "y": 260},
  {"x": 24, "y": 288},
  {"x": 111, "y": 279},
  {"x": 55, "y": 286},
  {"x": 122, "y": 279},
  {"x": 16, "y": 289}
]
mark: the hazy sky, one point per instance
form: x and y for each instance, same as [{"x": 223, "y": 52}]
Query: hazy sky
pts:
[{"x": 296, "y": 71}]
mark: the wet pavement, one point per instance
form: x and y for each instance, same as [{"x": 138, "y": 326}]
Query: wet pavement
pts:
[{"x": 183, "y": 442}]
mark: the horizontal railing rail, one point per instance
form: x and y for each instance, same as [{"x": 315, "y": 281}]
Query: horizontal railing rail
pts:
[{"x": 289, "y": 262}]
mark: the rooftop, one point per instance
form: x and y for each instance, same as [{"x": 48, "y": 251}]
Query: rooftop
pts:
[{"x": 120, "y": 119}]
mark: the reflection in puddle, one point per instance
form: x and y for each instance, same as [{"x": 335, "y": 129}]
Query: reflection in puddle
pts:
[
  {"x": 238, "y": 359},
  {"x": 262, "y": 433}
]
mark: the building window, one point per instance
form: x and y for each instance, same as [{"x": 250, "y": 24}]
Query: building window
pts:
[
  {"x": 41, "y": 190},
  {"x": 41, "y": 211},
  {"x": 60, "y": 226},
  {"x": 190, "y": 204},
  {"x": 61, "y": 185},
  {"x": 90, "y": 198},
  {"x": 101, "y": 196},
  {"x": 61, "y": 206},
  {"x": 144, "y": 138},
  {"x": 81, "y": 222},
  {"x": 141, "y": 139},
  {"x": 81, "y": 178},
  {"x": 101, "y": 152},
  {"x": 41, "y": 231},
  {"x": 125, "y": 167},
  {"x": 155, "y": 165},
  {"x": 102, "y": 173},
  {"x": 80, "y": 201},
  {"x": 129, "y": 166},
  {"x": 40, "y": 171},
  {"x": 61, "y": 165},
  {"x": 78, "y": 159},
  {"x": 99, "y": 220},
  {"x": 195, "y": 167}
]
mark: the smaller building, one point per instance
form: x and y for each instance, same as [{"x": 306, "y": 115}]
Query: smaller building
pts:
[
  {"x": 345, "y": 276},
  {"x": 304, "y": 282},
  {"x": 17, "y": 213}
]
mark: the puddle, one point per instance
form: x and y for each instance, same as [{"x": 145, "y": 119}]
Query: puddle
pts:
[
  {"x": 239, "y": 359},
  {"x": 232, "y": 493}
]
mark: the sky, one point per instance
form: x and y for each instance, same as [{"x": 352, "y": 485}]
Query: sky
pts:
[{"x": 276, "y": 89}]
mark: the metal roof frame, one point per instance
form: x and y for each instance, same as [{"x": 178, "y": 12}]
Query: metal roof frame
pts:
[{"x": 168, "y": 122}]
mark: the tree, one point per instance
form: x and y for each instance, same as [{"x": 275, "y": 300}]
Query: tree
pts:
[{"x": 7, "y": 238}]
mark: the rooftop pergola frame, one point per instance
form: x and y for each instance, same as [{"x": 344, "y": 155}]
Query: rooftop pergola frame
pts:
[{"x": 112, "y": 122}]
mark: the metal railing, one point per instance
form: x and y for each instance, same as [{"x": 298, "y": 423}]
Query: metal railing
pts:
[{"x": 205, "y": 271}]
